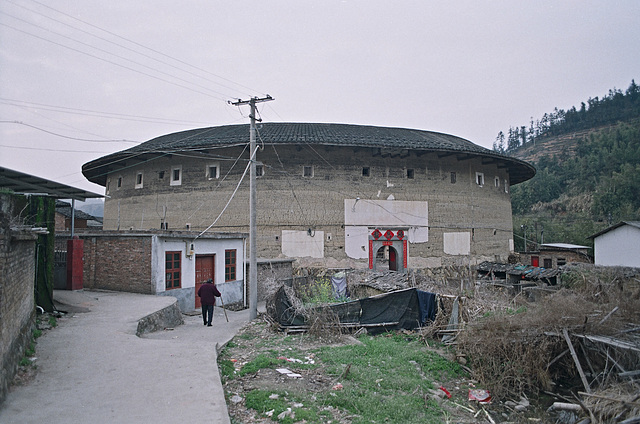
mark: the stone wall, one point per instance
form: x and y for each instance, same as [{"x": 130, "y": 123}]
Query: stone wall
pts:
[
  {"x": 17, "y": 302},
  {"x": 289, "y": 201}
]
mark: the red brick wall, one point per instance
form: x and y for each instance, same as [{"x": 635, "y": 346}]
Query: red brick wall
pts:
[{"x": 121, "y": 263}]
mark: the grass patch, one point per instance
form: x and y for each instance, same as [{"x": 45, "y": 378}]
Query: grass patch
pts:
[
  {"x": 387, "y": 379},
  {"x": 53, "y": 322},
  {"x": 261, "y": 361},
  {"x": 274, "y": 403}
]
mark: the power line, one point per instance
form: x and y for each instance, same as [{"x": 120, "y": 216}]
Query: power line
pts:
[
  {"x": 65, "y": 136},
  {"x": 50, "y": 150},
  {"x": 86, "y": 112},
  {"x": 112, "y": 62},
  {"x": 112, "y": 54},
  {"x": 144, "y": 47}
]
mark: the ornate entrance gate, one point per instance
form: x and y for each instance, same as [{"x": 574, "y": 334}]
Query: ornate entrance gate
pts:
[{"x": 396, "y": 241}]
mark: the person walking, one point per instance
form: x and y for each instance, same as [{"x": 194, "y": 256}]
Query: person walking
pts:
[{"x": 207, "y": 294}]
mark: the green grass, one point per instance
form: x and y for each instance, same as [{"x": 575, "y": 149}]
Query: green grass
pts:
[{"x": 387, "y": 378}]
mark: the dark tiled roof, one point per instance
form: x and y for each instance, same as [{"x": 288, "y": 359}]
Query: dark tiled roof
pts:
[
  {"x": 308, "y": 133},
  {"x": 64, "y": 208}
]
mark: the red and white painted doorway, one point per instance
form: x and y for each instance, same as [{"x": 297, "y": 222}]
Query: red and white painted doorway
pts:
[{"x": 388, "y": 246}]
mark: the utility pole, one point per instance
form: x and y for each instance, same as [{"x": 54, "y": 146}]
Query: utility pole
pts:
[{"x": 253, "y": 197}]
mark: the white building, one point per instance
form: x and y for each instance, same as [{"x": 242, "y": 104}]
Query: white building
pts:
[{"x": 618, "y": 245}]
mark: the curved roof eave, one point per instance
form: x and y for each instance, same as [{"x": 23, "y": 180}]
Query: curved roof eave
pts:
[{"x": 340, "y": 135}]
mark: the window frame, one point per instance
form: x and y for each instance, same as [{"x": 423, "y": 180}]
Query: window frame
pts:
[
  {"x": 170, "y": 277},
  {"x": 304, "y": 171},
  {"x": 366, "y": 171},
  {"x": 496, "y": 182},
  {"x": 119, "y": 182},
  {"x": 259, "y": 169},
  {"x": 139, "y": 180},
  {"x": 454, "y": 177},
  {"x": 230, "y": 264},
  {"x": 480, "y": 179},
  {"x": 208, "y": 171},
  {"x": 173, "y": 181}
]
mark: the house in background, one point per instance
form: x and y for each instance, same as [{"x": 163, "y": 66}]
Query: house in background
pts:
[
  {"x": 165, "y": 263},
  {"x": 82, "y": 220},
  {"x": 618, "y": 245},
  {"x": 554, "y": 255}
]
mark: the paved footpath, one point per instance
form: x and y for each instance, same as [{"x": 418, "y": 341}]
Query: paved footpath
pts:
[{"x": 93, "y": 368}]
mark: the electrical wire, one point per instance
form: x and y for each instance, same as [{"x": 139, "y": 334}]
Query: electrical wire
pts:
[
  {"x": 65, "y": 136},
  {"x": 117, "y": 56},
  {"x": 232, "y": 194},
  {"x": 113, "y": 63},
  {"x": 95, "y": 113},
  {"x": 147, "y": 48}
]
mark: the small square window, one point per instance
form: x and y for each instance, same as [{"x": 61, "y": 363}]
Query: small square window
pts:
[
  {"x": 366, "y": 172},
  {"x": 307, "y": 171},
  {"x": 410, "y": 173},
  {"x": 139, "y": 180},
  {"x": 480, "y": 179},
  {"x": 259, "y": 170},
  {"x": 562, "y": 261},
  {"x": 161, "y": 175},
  {"x": 453, "y": 178}
]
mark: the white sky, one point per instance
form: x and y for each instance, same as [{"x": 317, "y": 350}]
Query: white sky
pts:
[{"x": 469, "y": 68}]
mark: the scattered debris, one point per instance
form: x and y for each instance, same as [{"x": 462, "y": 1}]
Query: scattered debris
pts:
[
  {"x": 288, "y": 373},
  {"x": 479, "y": 395}
]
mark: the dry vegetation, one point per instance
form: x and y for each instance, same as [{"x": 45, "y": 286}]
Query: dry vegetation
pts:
[{"x": 513, "y": 343}]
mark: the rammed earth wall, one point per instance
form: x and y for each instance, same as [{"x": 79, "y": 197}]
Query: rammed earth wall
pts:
[{"x": 464, "y": 194}]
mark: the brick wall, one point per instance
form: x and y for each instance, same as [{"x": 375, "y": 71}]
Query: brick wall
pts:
[
  {"x": 288, "y": 201},
  {"x": 17, "y": 307},
  {"x": 117, "y": 262}
]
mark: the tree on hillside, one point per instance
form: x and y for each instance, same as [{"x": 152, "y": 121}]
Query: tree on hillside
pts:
[
  {"x": 498, "y": 144},
  {"x": 614, "y": 107}
]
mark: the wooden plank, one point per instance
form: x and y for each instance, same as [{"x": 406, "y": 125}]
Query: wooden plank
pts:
[{"x": 565, "y": 333}]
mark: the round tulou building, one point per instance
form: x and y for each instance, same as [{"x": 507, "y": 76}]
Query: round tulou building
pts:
[{"x": 329, "y": 195}]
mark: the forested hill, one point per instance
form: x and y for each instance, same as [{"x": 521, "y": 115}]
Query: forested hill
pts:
[{"x": 588, "y": 163}]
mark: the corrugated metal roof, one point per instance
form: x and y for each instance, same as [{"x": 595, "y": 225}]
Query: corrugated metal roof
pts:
[
  {"x": 564, "y": 246},
  {"x": 22, "y": 183},
  {"x": 305, "y": 133}
]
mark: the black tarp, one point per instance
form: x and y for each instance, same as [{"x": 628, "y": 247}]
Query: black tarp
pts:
[{"x": 402, "y": 309}]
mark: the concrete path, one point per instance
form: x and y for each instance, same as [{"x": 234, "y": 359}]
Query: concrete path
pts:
[{"x": 92, "y": 368}]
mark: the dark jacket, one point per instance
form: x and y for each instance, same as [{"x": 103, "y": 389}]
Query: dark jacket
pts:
[{"x": 208, "y": 293}]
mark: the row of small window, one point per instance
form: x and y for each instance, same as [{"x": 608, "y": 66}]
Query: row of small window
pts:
[
  {"x": 480, "y": 181},
  {"x": 173, "y": 268},
  {"x": 213, "y": 172}
]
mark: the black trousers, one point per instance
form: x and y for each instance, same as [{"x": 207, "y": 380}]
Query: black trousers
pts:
[{"x": 207, "y": 309}]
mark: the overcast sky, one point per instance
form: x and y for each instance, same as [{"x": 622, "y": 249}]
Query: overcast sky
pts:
[{"x": 76, "y": 76}]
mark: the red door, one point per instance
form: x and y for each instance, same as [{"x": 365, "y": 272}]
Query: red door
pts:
[
  {"x": 393, "y": 264},
  {"x": 535, "y": 261},
  {"x": 204, "y": 270}
]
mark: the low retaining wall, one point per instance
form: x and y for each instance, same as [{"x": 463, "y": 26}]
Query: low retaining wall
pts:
[{"x": 167, "y": 317}]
